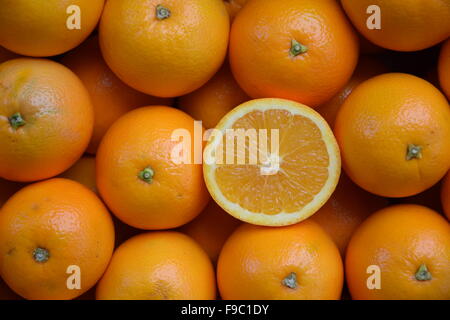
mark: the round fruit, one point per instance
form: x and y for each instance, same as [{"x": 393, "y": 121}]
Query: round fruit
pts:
[
  {"x": 299, "y": 50},
  {"x": 211, "y": 229},
  {"x": 139, "y": 174},
  {"x": 212, "y": 101},
  {"x": 46, "y": 119},
  {"x": 158, "y": 266},
  {"x": 83, "y": 171},
  {"x": 410, "y": 246},
  {"x": 111, "y": 98},
  {"x": 346, "y": 209},
  {"x": 404, "y": 25},
  {"x": 234, "y": 6},
  {"x": 6, "y": 55},
  {"x": 49, "y": 231},
  {"x": 298, "y": 262},
  {"x": 444, "y": 68},
  {"x": 445, "y": 195},
  {"x": 47, "y": 28},
  {"x": 394, "y": 134},
  {"x": 283, "y": 173},
  {"x": 168, "y": 48},
  {"x": 368, "y": 67}
]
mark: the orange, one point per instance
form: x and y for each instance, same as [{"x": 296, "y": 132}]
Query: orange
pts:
[
  {"x": 212, "y": 101},
  {"x": 233, "y": 6},
  {"x": 164, "y": 48},
  {"x": 445, "y": 196},
  {"x": 83, "y": 171},
  {"x": 7, "y": 189},
  {"x": 46, "y": 119},
  {"x": 299, "y": 50},
  {"x": 368, "y": 67},
  {"x": 158, "y": 266},
  {"x": 211, "y": 229},
  {"x": 410, "y": 245},
  {"x": 138, "y": 175},
  {"x": 111, "y": 98},
  {"x": 394, "y": 135},
  {"x": 444, "y": 68},
  {"x": 6, "y": 55},
  {"x": 283, "y": 167},
  {"x": 405, "y": 25},
  {"x": 47, "y": 28},
  {"x": 346, "y": 209},
  {"x": 298, "y": 262},
  {"x": 48, "y": 227}
]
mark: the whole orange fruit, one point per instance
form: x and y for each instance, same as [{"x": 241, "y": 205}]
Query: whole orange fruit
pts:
[
  {"x": 444, "y": 68},
  {"x": 46, "y": 119},
  {"x": 47, "y": 231},
  {"x": 110, "y": 97},
  {"x": 346, "y": 209},
  {"x": 298, "y": 262},
  {"x": 168, "y": 48},
  {"x": 394, "y": 135},
  {"x": 158, "y": 266},
  {"x": 47, "y": 28},
  {"x": 211, "y": 229},
  {"x": 83, "y": 171},
  {"x": 138, "y": 176},
  {"x": 212, "y": 101},
  {"x": 405, "y": 25},
  {"x": 445, "y": 195},
  {"x": 410, "y": 246},
  {"x": 299, "y": 50},
  {"x": 368, "y": 67},
  {"x": 234, "y": 6}
]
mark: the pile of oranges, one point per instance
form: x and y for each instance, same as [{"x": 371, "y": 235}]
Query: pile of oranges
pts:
[{"x": 168, "y": 149}]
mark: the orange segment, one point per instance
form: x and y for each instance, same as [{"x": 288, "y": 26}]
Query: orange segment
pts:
[{"x": 295, "y": 168}]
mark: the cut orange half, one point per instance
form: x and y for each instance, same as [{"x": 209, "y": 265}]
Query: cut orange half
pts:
[{"x": 271, "y": 162}]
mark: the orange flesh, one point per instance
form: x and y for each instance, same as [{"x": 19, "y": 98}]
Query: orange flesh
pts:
[{"x": 295, "y": 184}]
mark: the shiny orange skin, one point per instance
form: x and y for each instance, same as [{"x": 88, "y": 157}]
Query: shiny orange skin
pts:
[
  {"x": 255, "y": 260},
  {"x": 6, "y": 55},
  {"x": 110, "y": 97},
  {"x": 211, "y": 229},
  {"x": 380, "y": 121},
  {"x": 260, "y": 43},
  {"x": 164, "y": 57},
  {"x": 83, "y": 171},
  {"x": 234, "y": 6},
  {"x": 405, "y": 25},
  {"x": 398, "y": 239},
  {"x": 7, "y": 189},
  {"x": 39, "y": 28},
  {"x": 444, "y": 68},
  {"x": 445, "y": 196},
  {"x": 58, "y": 117},
  {"x": 142, "y": 139},
  {"x": 367, "y": 67},
  {"x": 346, "y": 209},
  {"x": 158, "y": 266},
  {"x": 212, "y": 101},
  {"x": 67, "y": 220}
]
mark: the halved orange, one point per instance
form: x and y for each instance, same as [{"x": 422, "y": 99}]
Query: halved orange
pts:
[{"x": 297, "y": 162}]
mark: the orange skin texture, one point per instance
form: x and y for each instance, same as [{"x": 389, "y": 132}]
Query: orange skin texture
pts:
[
  {"x": 212, "y": 101},
  {"x": 6, "y": 55},
  {"x": 7, "y": 189},
  {"x": 445, "y": 196},
  {"x": 58, "y": 117},
  {"x": 260, "y": 43},
  {"x": 234, "y": 6},
  {"x": 444, "y": 68},
  {"x": 377, "y": 123},
  {"x": 169, "y": 57},
  {"x": 399, "y": 239},
  {"x": 83, "y": 171},
  {"x": 110, "y": 97},
  {"x": 141, "y": 139},
  {"x": 211, "y": 229},
  {"x": 367, "y": 67},
  {"x": 66, "y": 219},
  {"x": 405, "y": 25},
  {"x": 158, "y": 266},
  {"x": 38, "y": 28},
  {"x": 347, "y": 208},
  {"x": 255, "y": 260}
]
